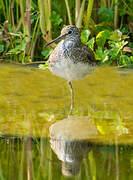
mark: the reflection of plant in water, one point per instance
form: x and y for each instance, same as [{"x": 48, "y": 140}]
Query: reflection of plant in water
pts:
[
  {"x": 25, "y": 103},
  {"x": 108, "y": 122}
]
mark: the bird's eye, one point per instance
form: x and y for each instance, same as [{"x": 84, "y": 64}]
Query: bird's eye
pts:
[{"x": 70, "y": 32}]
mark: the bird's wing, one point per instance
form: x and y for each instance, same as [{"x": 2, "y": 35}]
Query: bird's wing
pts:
[
  {"x": 83, "y": 54},
  {"x": 90, "y": 53}
]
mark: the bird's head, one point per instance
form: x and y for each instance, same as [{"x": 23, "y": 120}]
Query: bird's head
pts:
[{"x": 70, "y": 32}]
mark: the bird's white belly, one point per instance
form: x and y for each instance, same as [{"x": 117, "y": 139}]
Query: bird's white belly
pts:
[{"x": 71, "y": 71}]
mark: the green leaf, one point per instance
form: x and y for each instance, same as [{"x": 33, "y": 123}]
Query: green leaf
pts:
[
  {"x": 131, "y": 45},
  {"x": 106, "y": 14},
  {"x": 55, "y": 18},
  {"x": 102, "y": 37},
  {"x": 116, "y": 48},
  {"x": 1, "y": 48},
  {"x": 113, "y": 53},
  {"x": 116, "y": 35},
  {"x": 131, "y": 59},
  {"x": 18, "y": 49},
  {"x": 90, "y": 43},
  {"x": 101, "y": 54},
  {"x": 46, "y": 53},
  {"x": 85, "y": 35},
  {"x": 124, "y": 60}
]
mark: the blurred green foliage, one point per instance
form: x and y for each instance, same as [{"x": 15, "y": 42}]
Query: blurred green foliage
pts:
[{"x": 101, "y": 31}]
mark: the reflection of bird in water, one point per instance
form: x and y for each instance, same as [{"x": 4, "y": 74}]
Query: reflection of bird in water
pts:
[
  {"x": 71, "y": 141},
  {"x": 71, "y": 59},
  {"x": 71, "y": 154}
]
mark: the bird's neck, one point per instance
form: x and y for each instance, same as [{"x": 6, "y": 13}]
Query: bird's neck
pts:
[{"x": 70, "y": 43}]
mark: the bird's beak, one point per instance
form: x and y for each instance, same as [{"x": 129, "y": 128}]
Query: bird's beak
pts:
[{"x": 56, "y": 39}]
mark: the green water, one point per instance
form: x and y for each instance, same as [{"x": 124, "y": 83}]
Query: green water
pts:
[
  {"x": 101, "y": 125},
  {"x": 20, "y": 159}
]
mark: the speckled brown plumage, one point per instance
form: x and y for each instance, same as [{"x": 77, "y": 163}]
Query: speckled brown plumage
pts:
[{"x": 71, "y": 59}]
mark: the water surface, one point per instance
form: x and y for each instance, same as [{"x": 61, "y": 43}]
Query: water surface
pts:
[{"x": 33, "y": 100}]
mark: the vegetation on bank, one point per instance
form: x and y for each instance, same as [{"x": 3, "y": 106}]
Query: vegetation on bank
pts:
[{"x": 106, "y": 27}]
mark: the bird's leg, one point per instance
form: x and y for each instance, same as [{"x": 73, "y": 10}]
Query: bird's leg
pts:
[{"x": 72, "y": 97}]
